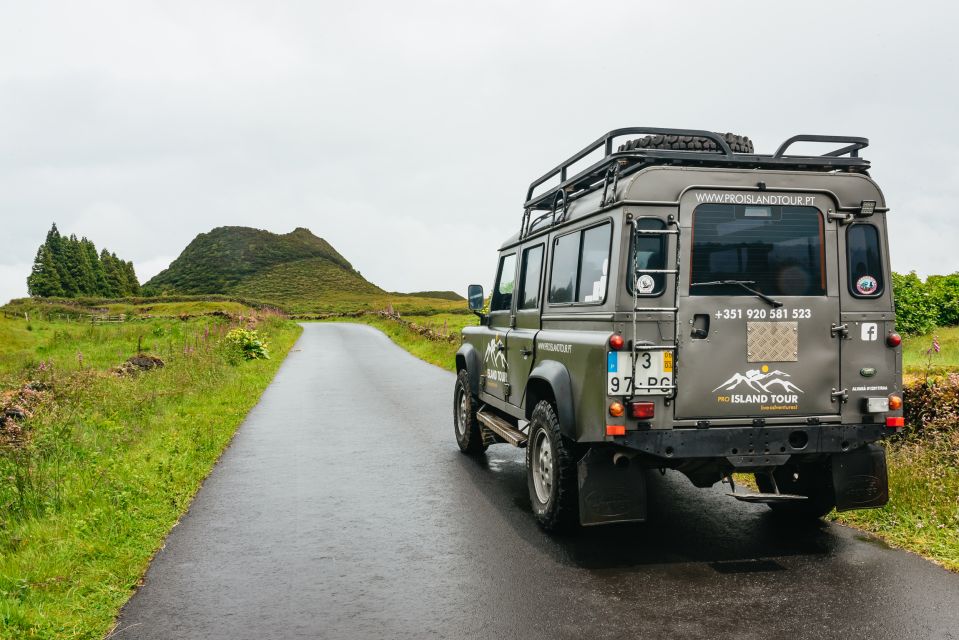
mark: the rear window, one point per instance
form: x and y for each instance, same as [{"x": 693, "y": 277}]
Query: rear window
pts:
[
  {"x": 865, "y": 266},
  {"x": 649, "y": 252},
  {"x": 779, "y": 249}
]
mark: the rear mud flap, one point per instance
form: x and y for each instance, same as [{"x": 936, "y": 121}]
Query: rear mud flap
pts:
[
  {"x": 859, "y": 478},
  {"x": 610, "y": 493}
]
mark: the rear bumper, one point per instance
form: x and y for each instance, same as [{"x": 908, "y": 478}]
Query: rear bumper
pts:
[{"x": 745, "y": 446}]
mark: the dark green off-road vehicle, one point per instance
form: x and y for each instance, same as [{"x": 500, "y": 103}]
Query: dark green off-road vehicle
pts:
[{"x": 681, "y": 302}]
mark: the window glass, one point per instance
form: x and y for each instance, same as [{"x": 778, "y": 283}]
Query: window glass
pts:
[
  {"x": 502, "y": 298},
  {"x": 529, "y": 283},
  {"x": 865, "y": 267},
  {"x": 594, "y": 264},
  {"x": 565, "y": 260},
  {"x": 649, "y": 252},
  {"x": 580, "y": 266},
  {"x": 779, "y": 249}
]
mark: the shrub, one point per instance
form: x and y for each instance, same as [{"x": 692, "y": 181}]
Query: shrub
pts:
[
  {"x": 246, "y": 344},
  {"x": 944, "y": 293},
  {"x": 916, "y": 311}
]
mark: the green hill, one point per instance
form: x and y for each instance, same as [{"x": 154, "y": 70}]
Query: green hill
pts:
[
  {"x": 297, "y": 271},
  {"x": 217, "y": 261}
]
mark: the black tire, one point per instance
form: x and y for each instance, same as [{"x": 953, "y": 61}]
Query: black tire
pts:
[
  {"x": 466, "y": 427},
  {"x": 555, "y": 500},
  {"x": 738, "y": 144},
  {"x": 812, "y": 481}
]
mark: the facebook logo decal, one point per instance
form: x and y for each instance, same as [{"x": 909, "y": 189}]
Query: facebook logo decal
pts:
[{"x": 870, "y": 331}]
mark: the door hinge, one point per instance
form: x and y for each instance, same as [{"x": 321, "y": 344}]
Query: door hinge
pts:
[
  {"x": 506, "y": 389},
  {"x": 702, "y": 424},
  {"x": 841, "y": 330},
  {"x": 841, "y": 218},
  {"x": 840, "y": 394}
]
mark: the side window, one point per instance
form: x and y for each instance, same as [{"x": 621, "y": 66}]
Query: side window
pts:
[
  {"x": 580, "y": 266},
  {"x": 530, "y": 279},
  {"x": 594, "y": 264},
  {"x": 562, "y": 279},
  {"x": 648, "y": 252},
  {"x": 502, "y": 298},
  {"x": 864, "y": 261}
]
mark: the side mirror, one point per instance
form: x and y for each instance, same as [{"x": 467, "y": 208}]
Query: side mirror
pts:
[{"x": 475, "y": 297}]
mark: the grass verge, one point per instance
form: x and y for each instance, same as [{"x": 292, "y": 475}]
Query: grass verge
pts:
[{"x": 100, "y": 466}]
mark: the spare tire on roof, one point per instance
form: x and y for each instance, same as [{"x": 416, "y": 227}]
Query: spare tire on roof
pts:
[{"x": 738, "y": 144}]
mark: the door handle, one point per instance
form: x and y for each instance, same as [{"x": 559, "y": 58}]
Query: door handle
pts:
[
  {"x": 700, "y": 326},
  {"x": 526, "y": 352}
]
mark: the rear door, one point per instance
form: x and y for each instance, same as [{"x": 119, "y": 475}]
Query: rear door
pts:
[{"x": 740, "y": 357}]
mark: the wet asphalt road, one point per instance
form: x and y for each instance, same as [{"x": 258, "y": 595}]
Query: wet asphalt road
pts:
[{"x": 343, "y": 509}]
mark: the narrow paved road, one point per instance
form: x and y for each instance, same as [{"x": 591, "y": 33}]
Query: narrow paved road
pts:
[{"x": 343, "y": 509}]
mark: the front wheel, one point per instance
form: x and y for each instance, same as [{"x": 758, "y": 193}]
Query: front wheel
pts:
[
  {"x": 550, "y": 470},
  {"x": 466, "y": 428}
]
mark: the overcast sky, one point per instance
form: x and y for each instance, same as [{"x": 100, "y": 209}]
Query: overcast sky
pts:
[{"x": 405, "y": 133}]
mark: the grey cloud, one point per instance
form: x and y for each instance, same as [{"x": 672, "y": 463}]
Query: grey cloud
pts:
[{"x": 406, "y": 133}]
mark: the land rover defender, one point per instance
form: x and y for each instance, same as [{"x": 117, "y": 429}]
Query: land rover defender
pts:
[{"x": 681, "y": 302}]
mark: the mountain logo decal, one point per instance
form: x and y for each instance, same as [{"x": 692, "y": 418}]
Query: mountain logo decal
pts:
[
  {"x": 494, "y": 355},
  {"x": 764, "y": 381}
]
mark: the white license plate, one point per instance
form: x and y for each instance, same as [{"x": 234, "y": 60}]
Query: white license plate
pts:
[{"x": 654, "y": 372}]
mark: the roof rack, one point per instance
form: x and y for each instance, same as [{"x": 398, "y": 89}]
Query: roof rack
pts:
[{"x": 616, "y": 164}]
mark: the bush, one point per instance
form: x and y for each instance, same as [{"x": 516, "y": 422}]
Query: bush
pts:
[
  {"x": 931, "y": 407},
  {"x": 944, "y": 293},
  {"x": 916, "y": 311},
  {"x": 246, "y": 344}
]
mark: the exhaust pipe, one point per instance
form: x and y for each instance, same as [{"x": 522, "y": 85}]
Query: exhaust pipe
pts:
[{"x": 621, "y": 460}]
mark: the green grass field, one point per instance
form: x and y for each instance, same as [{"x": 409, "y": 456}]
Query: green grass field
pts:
[
  {"x": 916, "y": 359},
  {"x": 93, "y": 480}
]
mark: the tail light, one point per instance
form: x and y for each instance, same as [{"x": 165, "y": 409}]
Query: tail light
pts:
[
  {"x": 895, "y": 402},
  {"x": 896, "y": 422},
  {"x": 893, "y": 339},
  {"x": 616, "y": 409},
  {"x": 616, "y": 430},
  {"x": 642, "y": 410},
  {"x": 616, "y": 342}
]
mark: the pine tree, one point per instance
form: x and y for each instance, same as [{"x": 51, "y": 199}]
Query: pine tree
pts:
[
  {"x": 44, "y": 280},
  {"x": 111, "y": 275},
  {"x": 59, "y": 251},
  {"x": 99, "y": 276},
  {"x": 132, "y": 278},
  {"x": 78, "y": 264}
]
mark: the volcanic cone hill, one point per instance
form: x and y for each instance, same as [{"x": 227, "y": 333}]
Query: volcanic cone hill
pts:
[{"x": 297, "y": 271}]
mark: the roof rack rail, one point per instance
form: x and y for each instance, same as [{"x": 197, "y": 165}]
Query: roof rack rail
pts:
[{"x": 615, "y": 164}]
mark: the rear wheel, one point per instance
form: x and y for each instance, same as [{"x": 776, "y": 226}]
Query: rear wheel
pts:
[
  {"x": 550, "y": 470},
  {"x": 811, "y": 480},
  {"x": 466, "y": 427}
]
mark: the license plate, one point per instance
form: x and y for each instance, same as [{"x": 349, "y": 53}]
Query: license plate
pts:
[{"x": 654, "y": 371}]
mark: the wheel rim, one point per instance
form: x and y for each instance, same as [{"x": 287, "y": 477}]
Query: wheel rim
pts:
[
  {"x": 463, "y": 408},
  {"x": 542, "y": 462}
]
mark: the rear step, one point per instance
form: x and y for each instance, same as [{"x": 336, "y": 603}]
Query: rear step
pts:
[
  {"x": 502, "y": 428},
  {"x": 767, "y": 497},
  {"x": 764, "y": 498}
]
